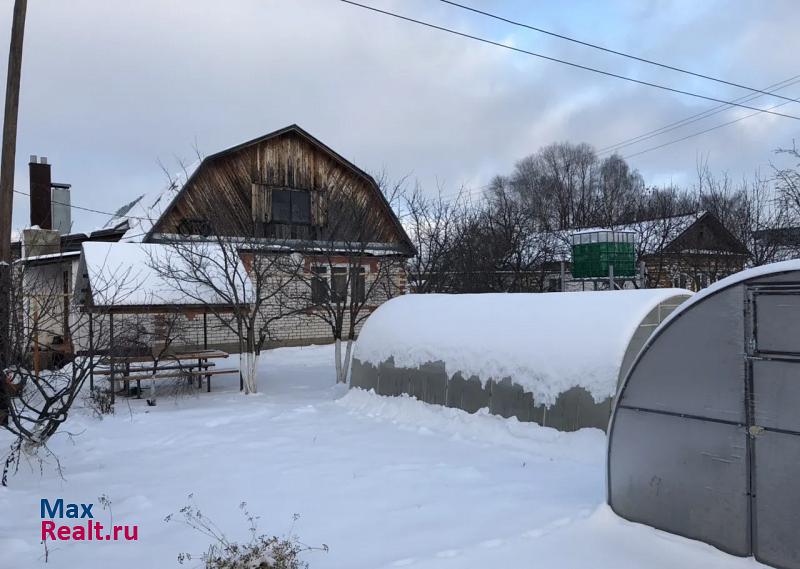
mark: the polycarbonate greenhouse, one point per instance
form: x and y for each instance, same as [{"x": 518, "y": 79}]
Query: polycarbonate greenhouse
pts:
[
  {"x": 555, "y": 358},
  {"x": 705, "y": 436}
]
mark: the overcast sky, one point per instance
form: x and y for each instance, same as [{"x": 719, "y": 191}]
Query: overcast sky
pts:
[{"x": 110, "y": 87}]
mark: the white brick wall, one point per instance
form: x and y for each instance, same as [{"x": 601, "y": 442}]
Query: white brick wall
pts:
[{"x": 295, "y": 329}]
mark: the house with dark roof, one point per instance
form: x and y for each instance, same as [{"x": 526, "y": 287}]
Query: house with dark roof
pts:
[
  {"x": 285, "y": 192},
  {"x": 686, "y": 251}
]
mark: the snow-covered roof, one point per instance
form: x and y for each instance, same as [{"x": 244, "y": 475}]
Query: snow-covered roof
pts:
[
  {"x": 652, "y": 235},
  {"x": 48, "y": 256},
  {"x": 143, "y": 212},
  {"x": 127, "y": 274},
  {"x": 615, "y": 229},
  {"x": 545, "y": 342}
]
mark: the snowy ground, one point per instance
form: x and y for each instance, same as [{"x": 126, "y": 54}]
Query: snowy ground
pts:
[{"x": 384, "y": 482}]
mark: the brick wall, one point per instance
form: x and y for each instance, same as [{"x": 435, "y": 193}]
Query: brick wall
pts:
[{"x": 186, "y": 330}]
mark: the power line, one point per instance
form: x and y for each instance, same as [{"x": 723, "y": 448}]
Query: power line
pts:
[
  {"x": 89, "y": 209},
  {"x": 698, "y": 133},
  {"x": 615, "y": 52},
  {"x": 715, "y": 110},
  {"x": 563, "y": 61},
  {"x": 691, "y": 119}
]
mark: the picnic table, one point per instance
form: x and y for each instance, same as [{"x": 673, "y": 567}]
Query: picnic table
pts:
[{"x": 189, "y": 365}]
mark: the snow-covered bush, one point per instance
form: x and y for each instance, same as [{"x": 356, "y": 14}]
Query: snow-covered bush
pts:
[{"x": 260, "y": 551}]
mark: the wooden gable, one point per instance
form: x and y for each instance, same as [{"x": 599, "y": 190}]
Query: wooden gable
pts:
[
  {"x": 232, "y": 190},
  {"x": 706, "y": 235}
]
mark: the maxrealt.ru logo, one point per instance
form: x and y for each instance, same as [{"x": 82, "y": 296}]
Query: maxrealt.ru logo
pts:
[{"x": 87, "y": 529}]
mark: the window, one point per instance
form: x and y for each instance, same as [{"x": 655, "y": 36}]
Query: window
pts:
[
  {"x": 187, "y": 226},
  {"x": 339, "y": 284},
  {"x": 291, "y": 206},
  {"x": 301, "y": 208},
  {"x": 335, "y": 290},
  {"x": 319, "y": 285},
  {"x": 359, "y": 286},
  {"x": 681, "y": 280}
]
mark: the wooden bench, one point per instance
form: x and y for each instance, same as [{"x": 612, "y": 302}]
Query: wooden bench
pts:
[
  {"x": 187, "y": 374},
  {"x": 208, "y": 373},
  {"x": 150, "y": 369},
  {"x": 177, "y": 365}
]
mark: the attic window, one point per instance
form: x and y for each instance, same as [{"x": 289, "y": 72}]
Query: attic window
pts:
[
  {"x": 187, "y": 226},
  {"x": 291, "y": 206}
]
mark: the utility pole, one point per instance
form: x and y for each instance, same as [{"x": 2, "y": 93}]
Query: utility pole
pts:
[{"x": 7, "y": 159}]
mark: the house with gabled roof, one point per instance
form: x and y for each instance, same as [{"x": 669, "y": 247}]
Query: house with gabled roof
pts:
[
  {"x": 686, "y": 251},
  {"x": 284, "y": 192}
]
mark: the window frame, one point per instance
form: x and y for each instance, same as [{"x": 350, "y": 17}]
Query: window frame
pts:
[
  {"x": 342, "y": 283},
  {"x": 293, "y": 195},
  {"x": 338, "y": 288},
  {"x": 320, "y": 289},
  {"x": 188, "y": 226},
  {"x": 358, "y": 285}
]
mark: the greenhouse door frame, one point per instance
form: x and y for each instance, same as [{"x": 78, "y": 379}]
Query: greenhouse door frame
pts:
[{"x": 772, "y": 384}]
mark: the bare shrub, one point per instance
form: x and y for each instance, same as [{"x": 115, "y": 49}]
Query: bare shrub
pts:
[
  {"x": 260, "y": 551},
  {"x": 99, "y": 401}
]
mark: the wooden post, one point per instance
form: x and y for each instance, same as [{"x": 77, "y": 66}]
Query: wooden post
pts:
[
  {"x": 205, "y": 330},
  {"x": 7, "y": 157},
  {"x": 36, "y": 364},
  {"x": 126, "y": 383},
  {"x": 91, "y": 352},
  {"x": 205, "y": 347},
  {"x": 111, "y": 352}
]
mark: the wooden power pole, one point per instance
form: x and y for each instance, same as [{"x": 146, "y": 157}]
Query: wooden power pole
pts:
[{"x": 7, "y": 159}]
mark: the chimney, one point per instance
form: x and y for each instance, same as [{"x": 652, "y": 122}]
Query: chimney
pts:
[
  {"x": 39, "y": 174},
  {"x": 61, "y": 208}
]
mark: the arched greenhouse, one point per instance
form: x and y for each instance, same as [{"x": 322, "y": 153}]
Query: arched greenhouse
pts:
[
  {"x": 705, "y": 437},
  {"x": 554, "y": 358}
]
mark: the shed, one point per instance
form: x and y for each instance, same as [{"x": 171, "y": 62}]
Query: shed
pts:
[
  {"x": 705, "y": 437},
  {"x": 554, "y": 358}
]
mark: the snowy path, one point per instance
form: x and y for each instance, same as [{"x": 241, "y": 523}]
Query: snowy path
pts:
[{"x": 384, "y": 482}]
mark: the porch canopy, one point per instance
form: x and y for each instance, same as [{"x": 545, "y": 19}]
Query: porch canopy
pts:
[{"x": 134, "y": 278}]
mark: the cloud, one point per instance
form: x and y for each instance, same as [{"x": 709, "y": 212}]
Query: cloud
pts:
[{"x": 111, "y": 87}]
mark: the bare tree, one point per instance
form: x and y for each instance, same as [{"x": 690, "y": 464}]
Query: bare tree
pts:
[
  {"x": 434, "y": 225},
  {"x": 47, "y": 330},
  {"x": 239, "y": 280},
  {"x": 753, "y": 210},
  {"x": 565, "y": 186},
  {"x": 347, "y": 272},
  {"x": 497, "y": 247},
  {"x": 788, "y": 182}
]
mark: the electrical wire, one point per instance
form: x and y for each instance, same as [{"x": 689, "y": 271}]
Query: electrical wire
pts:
[
  {"x": 88, "y": 208},
  {"x": 615, "y": 52},
  {"x": 562, "y": 61},
  {"x": 688, "y": 120}
]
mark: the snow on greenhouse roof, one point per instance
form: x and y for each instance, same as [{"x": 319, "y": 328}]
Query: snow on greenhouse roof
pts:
[
  {"x": 124, "y": 274},
  {"x": 545, "y": 342}
]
